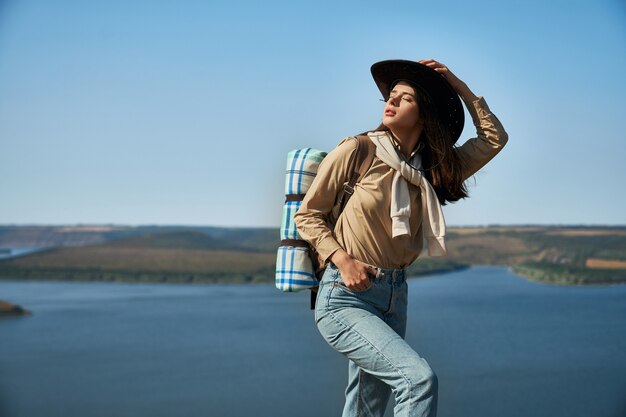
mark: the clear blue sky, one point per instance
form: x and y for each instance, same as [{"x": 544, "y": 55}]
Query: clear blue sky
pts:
[{"x": 164, "y": 112}]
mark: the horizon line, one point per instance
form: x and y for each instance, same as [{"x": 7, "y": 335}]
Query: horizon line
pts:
[{"x": 129, "y": 225}]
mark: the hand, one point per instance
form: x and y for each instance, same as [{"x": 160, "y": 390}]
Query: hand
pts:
[
  {"x": 353, "y": 272},
  {"x": 458, "y": 85}
]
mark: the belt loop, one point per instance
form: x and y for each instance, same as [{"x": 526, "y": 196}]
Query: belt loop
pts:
[{"x": 399, "y": 275}]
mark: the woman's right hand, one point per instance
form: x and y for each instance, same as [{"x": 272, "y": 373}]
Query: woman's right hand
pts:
[{"x": 353, "y": 272}]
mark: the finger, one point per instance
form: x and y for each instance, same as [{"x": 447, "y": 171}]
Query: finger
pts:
[
  {"x": 364, "y": 284},
  {"x": 432, "y": 62},
  {"x": 436, "y": 67}
]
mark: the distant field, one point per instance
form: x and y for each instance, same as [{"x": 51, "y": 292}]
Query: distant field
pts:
[
  {"x": 591, "y": 232},
  {"x": 491, "y": 229},
  {"x": 148, "y": 259},
  {"x": 605, "y": 264},
  {"x": 487, "y": 249},
  {"x": 177, "y": 256}
]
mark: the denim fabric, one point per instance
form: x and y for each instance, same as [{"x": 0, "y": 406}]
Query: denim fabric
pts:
[{"x": 368, "y": 327}]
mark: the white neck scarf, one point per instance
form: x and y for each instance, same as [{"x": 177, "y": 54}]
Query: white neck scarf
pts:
[{"x": 432, "y": 217}]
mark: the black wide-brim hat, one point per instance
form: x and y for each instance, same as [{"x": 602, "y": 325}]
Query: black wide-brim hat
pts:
[{"x": 445, "y": 100}]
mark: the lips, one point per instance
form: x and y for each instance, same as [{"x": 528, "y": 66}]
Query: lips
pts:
[{"x": 390, "y": 112}]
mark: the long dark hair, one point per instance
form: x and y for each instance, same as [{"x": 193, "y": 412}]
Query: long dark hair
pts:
[{"x": 443, "y": 166}]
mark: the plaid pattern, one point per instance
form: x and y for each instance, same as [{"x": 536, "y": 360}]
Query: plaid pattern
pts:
[
  {"x": 294, "y": 269},
  {"x": 302, "y": 166},
  {"x": 288, "y": 226}
]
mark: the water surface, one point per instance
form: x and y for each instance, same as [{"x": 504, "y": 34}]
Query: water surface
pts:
[{"x": 500, "y": 345}]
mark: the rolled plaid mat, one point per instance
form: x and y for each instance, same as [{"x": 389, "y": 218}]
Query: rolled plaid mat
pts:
[
  {"x": 302, "y": 167},
  {"x": 294, "y": 267},
  {"x": 288, "y": 226}
]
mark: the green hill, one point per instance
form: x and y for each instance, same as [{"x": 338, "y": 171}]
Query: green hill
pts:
[
  {"x": 184, "y": 239},
  {"x": 255, "y": 239},
  {"x": 179, "y": 256}
]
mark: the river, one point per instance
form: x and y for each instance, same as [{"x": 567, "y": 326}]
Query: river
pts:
[{"x": 500, "y": 345}]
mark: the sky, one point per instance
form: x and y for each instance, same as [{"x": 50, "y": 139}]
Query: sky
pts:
[{"x": 183, "y": 112}]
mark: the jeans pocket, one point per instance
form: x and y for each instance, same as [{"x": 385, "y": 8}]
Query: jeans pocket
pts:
[
  {"x": 328, "y": 277},
  {"x": 340, "y": 284}
]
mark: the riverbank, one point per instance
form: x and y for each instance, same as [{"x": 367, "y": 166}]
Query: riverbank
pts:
[
  {"x": 548, "y": 273},
  {"x": 9, "y": 309}
]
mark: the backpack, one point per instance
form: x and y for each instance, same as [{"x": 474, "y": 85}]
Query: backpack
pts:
[{"x": 298, "y": 265}]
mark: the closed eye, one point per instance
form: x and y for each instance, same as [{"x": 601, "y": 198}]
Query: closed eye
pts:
[{"x": 406, "y": 97}]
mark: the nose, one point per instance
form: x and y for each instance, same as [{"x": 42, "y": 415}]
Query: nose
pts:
[{"x": 391, "y": 100}]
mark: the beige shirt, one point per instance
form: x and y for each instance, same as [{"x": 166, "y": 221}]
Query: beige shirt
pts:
[{"x": 363, "y": 229}]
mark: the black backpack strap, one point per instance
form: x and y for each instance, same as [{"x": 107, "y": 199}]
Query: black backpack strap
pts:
[
  {"x": 313, "y": 297},
  {"x": 362, "y": 161}
]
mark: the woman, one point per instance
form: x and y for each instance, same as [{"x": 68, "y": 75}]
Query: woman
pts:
[{"x": 361, "y": 303}]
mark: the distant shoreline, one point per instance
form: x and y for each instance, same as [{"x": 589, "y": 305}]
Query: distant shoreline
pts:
[
  {"x": 10, "y": 309},
  {"x": 174, "y": 278},
  {"x": 537, "y": 276}
]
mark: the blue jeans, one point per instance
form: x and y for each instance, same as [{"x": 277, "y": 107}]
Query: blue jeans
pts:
[{"x": 368, "y": 327}]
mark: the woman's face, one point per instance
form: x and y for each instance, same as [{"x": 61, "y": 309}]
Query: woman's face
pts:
[{"x": 402, "y": 109}]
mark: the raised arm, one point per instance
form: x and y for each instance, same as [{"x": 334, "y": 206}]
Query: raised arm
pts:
[
  {"x": 490, "y": 138},
  {"x": 490, "y": 134}
]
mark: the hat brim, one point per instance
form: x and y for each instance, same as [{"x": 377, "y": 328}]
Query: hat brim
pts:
[{"x": 446, "y": 101}]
